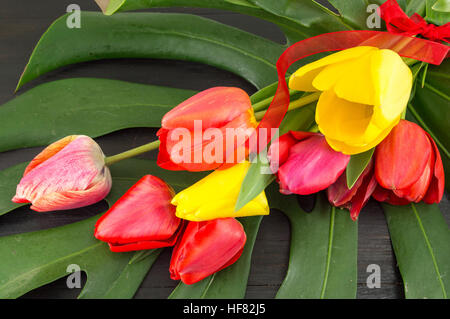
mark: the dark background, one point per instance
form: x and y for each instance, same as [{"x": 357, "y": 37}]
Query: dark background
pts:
[{"x": 22, "y": 22}]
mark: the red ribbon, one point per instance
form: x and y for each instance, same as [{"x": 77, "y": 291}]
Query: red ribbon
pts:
[
  {"x": 398, "y": 22},
  {"x": 410, "y": 47}
]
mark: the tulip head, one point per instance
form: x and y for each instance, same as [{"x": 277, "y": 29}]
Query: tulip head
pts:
[
  {"x": 408, "y": 167},
  {"x": 68, "y": 174},
  {"x": 365, "y": 90},
  {"x": 306, "y": 163},
  {"x": 142, "y": 218},
  {"x": 215, "y": 196},
  {"x": 206, "y": 248},
  {"x": 355, "y": 198},
  {"x": 207, "y": 130}
]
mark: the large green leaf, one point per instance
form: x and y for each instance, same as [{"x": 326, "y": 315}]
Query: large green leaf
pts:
[
  {"x": 294, "y": 31},
  {"x": 92, "y": 107},
  {"x": 420, "y": 238},
  {"x": 155, "y": 35},
  {"x": 33, "y": 259},
  {"x": 305, "y": 12},
  {"x": 230, "y": 282},
  {"x": 9, "y": 178},
  {"x": 430, "y": 108},
  {"x": 323, "y": 255}
]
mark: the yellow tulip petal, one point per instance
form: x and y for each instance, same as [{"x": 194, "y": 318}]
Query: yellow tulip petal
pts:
[
  {"x": 342, "y": 120},
  {"x": 303, "y": 78},
  {"x": 215, "y": 196},
  {"x": 349, "y": 149},
  {"x": 392, "y": 80}
]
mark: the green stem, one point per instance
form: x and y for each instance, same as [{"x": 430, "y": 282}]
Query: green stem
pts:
[
  {"x": 304, "y": 100},
  {"x": 132, "y": 153},
  {"x": 263, "y": 104}
]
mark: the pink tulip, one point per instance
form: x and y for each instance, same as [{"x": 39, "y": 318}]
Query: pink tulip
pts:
[
  {"x": 68, "y": 174},
  {"x": 307, "y": 164}
]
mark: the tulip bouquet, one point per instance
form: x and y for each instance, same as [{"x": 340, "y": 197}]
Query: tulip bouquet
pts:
[{"x": 361, "y": 121}]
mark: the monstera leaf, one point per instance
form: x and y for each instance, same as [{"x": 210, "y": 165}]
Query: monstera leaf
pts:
[
  {"x": 34, "y": 259},
  {"x": 430, "y": 108},
  {"x": 87, "y": 102},
  {"x": 323, "y": 251}
]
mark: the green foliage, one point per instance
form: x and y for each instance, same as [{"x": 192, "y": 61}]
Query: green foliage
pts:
[
  {"x": 420, "y": 238},
  {"x": 78, "y": 106},
  {"x": 323, "y": 255},
  {"x": 155, "y": 35}
]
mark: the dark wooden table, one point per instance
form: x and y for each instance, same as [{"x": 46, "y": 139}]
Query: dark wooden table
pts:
[{"x": 22, "y": 22}]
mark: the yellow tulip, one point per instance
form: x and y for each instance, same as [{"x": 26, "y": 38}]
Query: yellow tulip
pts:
[
  {"x": 364, "y": 92},
  {"x": 215, "y": 196}
]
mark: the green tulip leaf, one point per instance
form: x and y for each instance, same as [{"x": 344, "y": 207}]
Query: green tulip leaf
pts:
[
  {"x": 230, "y": 282},
  {"x": 258, "y": 177},
  {"x": 92, "y": 107},
  {"x": 323, "y": 254},
  {"x": 110, "y": 275},
  {"x": 420, "y": 238},
  {"x": 357, "y": 165},
  {"x": 155, "y": 35}
]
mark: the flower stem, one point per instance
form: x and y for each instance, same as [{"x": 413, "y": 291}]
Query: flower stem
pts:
[
  {"x": 263, "y": 104},
  {"x": 304, "y": 100},
  {"x": 132, "y": 153}
]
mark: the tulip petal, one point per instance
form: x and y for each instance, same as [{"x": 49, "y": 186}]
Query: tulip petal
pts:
[
  {"x": 215, "y": 196},
  {"x": 74, "y": 199},
  {"x": 349, "y": 122},
  {"x": 142, "y": 216},
  {"x": 437, "y": 183},
  {"x": 204, "y": 105},
  {"x": 206, "y": 248},
  {"x": 352, "y": 149},
  {"x": 303, "y": 78},
  {"x": 363, "y": 195},
  {"x": 339, "y": 194},
  {"x": 311, "y": 166},
  {"x": 392, "y": 80},
  {"x": 282, "y": 146},
  {"x": 402, "y": 156},
  {"x": 73, "y": 177},
  {"x": 349, "y": 80},
  {"x": 385, "y": 195},
  {"x": 49, "y": 151}
]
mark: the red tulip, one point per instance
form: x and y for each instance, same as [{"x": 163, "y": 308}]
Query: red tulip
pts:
[
  {"x": 408, "y": 167},
  {"x": 194, "y": 136},
  {"x": 355, "y": 198},
  {"x": 206, "y": 248},
  {"x": 143, "y": 218},
  {"x": 306, "y": 163},
  {"x": 68, "y": 174}
]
